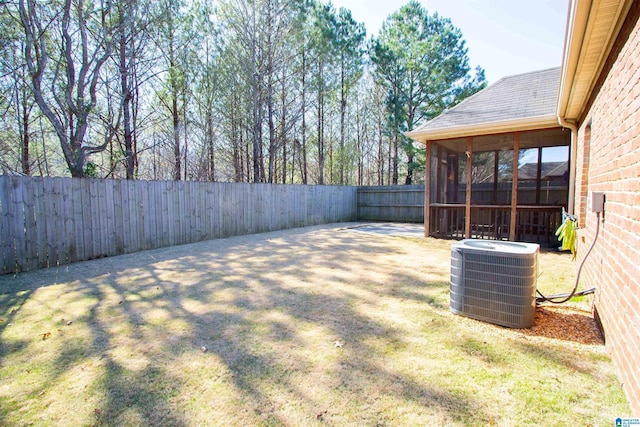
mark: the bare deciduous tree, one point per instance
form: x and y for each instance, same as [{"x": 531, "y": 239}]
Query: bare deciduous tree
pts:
[{"x": 65, "y": 53}]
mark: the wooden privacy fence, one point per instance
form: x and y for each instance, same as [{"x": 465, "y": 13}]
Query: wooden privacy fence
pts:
[
  {"x": 51, "y": 221},
  {"x": 403, "y": 203}
]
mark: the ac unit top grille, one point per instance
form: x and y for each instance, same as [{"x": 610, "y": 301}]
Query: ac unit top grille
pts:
[{"x": 494, "y": 282}]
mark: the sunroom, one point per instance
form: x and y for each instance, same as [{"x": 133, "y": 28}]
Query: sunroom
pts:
[{"x": 498, "y": 164}]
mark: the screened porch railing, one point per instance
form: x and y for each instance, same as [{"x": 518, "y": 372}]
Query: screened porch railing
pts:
[{"x": 534, "y": 224}]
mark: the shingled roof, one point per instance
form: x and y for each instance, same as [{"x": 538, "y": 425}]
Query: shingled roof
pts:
[{"x": 521, "y": 102}]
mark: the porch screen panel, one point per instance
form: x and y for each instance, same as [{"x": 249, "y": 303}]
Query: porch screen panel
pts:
[
  {"x": 483, "y": 178},
  {"x": 543, "y": 176},
  {"x": 493, "y": 169},
  {"x": 446, "y": 168},
  {"x": 528, "y": 176},
  {"x": 554, "y": 183},
  {"x": 435, "y": 148},
  {"x": 505, "y": 177}
]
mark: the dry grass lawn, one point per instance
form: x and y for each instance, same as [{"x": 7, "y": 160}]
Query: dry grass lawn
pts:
[{"x": 321, "y": 325}]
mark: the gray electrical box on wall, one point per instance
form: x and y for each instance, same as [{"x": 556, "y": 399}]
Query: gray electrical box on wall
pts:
[{"x": 597, "y": 202}]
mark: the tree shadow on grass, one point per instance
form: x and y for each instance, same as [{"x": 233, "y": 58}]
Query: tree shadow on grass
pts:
[
  {"x": 276, "y": 328},
  {"x": 10, "y": 304}
]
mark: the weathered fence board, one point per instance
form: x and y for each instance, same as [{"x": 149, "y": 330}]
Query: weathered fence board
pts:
[
  {"x": 49, "y": 223},
  {"x": 46, "y": 222},
  {"x": 391, "y": 203},
  {"x": 41, "y": 230},
  {"x": 7, "y": 251},
  {"x": 18, "y": 227},
  {"x": 77, "y": 208}
]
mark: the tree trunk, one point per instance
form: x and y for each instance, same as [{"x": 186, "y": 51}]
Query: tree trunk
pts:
[
  {"x": 273, "y": 145},
  {"x": 380, "y": 151},
  {"x": 394, "y": 166},
  {"x": 135, "y": 107},
  {"x": 331, "y": 161},
  {"x": 45, "y": 159},
  {"x": 126, "y": 103},
  {"x": 176, "y": 138},
  {"x": 186, "y": 135},
  {"x": 26, "y": 139},
  {"x": 283, "y": 124},
  {"x": 320, "y": 125},
  {"x": 247, "y": 157},
  {"x": 389, "y": 162},
  {"x": 359, "y": 147},
  {"x": 210, "y": 146},
  {"x": 343, "y": 108},
  {"x": 409, "y": 179},
  {"x": 304, "y": 124}
]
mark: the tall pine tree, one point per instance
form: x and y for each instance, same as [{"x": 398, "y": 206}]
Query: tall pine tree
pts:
[{"x": 422, "y": 61}]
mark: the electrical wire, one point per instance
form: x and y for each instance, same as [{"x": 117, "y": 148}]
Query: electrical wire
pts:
[{"x": 566, "y": 297}]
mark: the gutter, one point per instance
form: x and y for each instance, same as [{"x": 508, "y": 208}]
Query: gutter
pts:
[
  {"x": 592, "y": 28},
  {"x": 577, "y": 18}
]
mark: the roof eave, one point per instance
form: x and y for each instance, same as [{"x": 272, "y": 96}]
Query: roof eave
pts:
[
  {"x": 580, "y": 71},
  {"x": 488, "y": 128}
]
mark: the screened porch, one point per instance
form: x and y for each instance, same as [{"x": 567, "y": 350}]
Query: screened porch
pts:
[{"x": 510, "y": 186}]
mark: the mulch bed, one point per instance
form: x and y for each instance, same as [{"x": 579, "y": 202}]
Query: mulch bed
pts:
[{"x": 567, "y": 323}]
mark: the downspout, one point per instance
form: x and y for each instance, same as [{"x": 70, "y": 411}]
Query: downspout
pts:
[
  {"x": 572, "y": 162},
  {"x": 574, "y": 35}
]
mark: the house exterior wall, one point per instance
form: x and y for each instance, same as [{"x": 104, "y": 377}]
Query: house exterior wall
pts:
[{"x": 608, "y": 160}]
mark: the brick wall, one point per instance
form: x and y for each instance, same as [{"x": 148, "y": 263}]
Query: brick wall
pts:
[{"x": 608, "y": 160}]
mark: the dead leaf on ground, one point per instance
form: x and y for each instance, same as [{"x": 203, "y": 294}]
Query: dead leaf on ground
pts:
[{"x": 45, "y": 335}]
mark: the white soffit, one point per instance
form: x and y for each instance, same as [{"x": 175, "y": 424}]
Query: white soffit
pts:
[{"x": 592, "y": 27}]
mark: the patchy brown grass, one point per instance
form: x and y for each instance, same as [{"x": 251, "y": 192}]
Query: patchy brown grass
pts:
[{"x": 323, "y": 325}]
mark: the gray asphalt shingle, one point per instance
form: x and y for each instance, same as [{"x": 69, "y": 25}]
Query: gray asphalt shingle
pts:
[{"x": 533, "y": 94}]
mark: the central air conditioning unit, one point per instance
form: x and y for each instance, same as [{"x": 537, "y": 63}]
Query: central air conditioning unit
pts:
[{"x": 494, "y": 281}]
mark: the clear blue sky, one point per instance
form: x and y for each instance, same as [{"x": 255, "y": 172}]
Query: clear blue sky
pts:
[{"x": 504, "y": 37}]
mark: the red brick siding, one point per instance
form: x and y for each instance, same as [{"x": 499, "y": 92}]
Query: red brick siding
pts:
[
  {"x": 582, "y": 178},
  {"x": 608, "y": 160}
]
